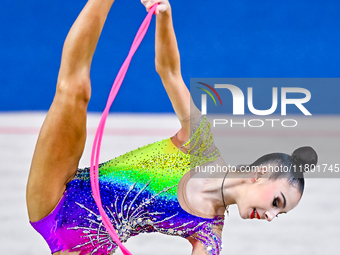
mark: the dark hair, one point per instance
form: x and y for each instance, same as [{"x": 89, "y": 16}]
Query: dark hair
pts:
[{"x": 302, "y": 160}]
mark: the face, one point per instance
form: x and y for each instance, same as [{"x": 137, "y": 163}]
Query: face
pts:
[{"x": 266, "y": 199}]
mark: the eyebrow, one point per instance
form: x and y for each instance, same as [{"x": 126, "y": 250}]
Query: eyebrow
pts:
[{"x": 284, "y": 200}]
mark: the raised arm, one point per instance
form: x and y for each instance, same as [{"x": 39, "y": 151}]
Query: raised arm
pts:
[{"x": 168, "y": 67}]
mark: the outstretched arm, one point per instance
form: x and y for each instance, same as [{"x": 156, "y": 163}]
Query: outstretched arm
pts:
[{"x": 169, "y": 68}]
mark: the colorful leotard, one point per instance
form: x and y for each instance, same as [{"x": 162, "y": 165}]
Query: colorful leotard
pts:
[{"x": 139, "y": 194}]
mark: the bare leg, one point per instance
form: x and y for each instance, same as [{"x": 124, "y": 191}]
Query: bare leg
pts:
[{"x": 62, "y": 137}]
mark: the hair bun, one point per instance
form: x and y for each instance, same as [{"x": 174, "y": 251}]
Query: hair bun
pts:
[{"x": 305, "y": 156}]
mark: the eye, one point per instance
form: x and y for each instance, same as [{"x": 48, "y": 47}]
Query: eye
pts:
[
  {"x": 277, "y": 216},
  {"x": 276, "y": 202}
]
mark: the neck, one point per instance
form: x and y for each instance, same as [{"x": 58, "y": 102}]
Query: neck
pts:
[
  {"x": 211, "y": 191},
  {"x": 203, "y": 191}
]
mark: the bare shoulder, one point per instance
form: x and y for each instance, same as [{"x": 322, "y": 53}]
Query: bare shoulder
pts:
[{"x": 188, "y": 124}]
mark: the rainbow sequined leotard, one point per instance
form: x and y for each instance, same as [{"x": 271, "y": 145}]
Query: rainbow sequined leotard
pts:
[{"x": 139, "y": 194}]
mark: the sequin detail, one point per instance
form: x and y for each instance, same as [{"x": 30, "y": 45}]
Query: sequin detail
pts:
[
  {"x": 139, "y": 194},
  {"x": 201, "y": 143}
]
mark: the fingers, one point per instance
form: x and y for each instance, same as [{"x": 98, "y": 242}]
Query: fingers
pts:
[
  {"x": 148, "y": 4},
  {"x": 163, "y": 5}
]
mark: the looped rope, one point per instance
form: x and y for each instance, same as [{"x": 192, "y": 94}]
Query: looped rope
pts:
[{"x": 94, "y": 175}]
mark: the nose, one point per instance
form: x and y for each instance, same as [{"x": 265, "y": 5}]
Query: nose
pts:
[{"x": 269, "y": 216}]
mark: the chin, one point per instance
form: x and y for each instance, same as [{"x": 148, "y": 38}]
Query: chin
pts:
[{"x": 243, "y": 215}]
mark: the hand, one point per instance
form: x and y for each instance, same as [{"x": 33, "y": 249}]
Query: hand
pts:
[{"x": 162, "y": 6}]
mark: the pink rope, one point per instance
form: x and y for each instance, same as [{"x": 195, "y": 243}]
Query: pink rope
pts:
[{"x": 94, "y": 175}]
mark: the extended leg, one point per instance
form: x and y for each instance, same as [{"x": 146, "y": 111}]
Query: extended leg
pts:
[{"x": 62, "y": 137}]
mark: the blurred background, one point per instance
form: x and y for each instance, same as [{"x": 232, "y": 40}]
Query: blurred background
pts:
[
  {"x": 235, "y": 39},
  {"x": 240, "y": 39}
]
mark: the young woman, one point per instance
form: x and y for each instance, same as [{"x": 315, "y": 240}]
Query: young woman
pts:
[{"x": 148, "y": 189}]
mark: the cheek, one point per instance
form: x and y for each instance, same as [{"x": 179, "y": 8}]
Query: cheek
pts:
[{"x": 267, "y": 194}]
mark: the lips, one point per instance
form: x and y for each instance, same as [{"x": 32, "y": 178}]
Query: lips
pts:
[{"x": 255, "y": 214}]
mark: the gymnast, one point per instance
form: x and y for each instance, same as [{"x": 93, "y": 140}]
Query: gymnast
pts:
[{"x": 149, "y": 189}]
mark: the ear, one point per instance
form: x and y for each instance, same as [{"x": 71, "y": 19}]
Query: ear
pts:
[{"x": 258, "y": 173}]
